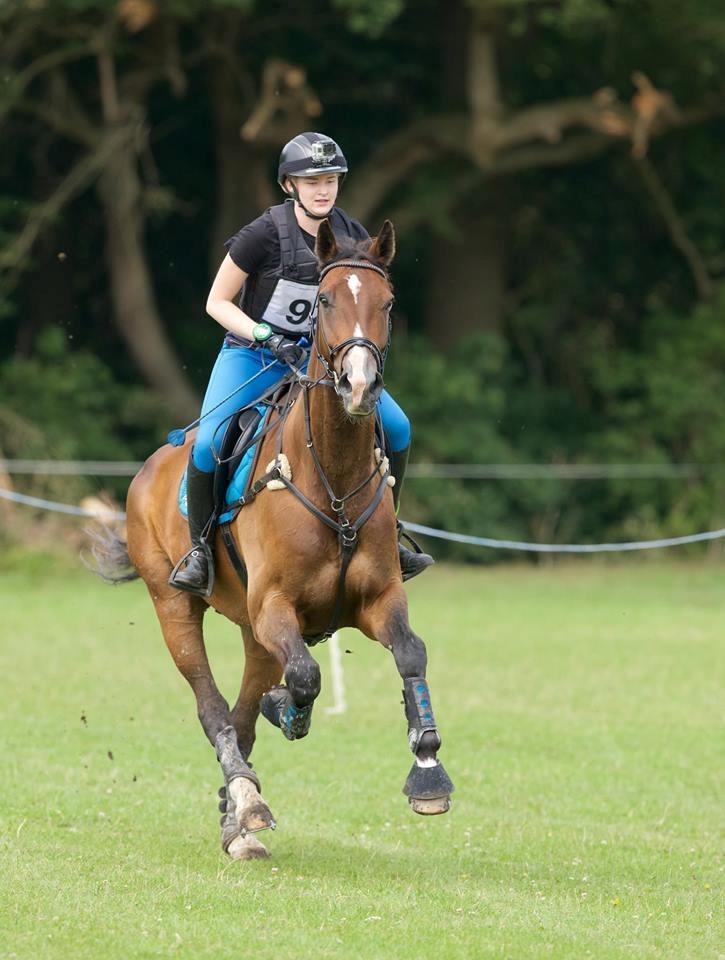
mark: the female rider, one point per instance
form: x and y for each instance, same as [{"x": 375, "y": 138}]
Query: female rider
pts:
[{"x": 272, "y": 261}]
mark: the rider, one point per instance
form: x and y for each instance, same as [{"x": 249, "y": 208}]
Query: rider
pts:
[{"x": 272, "y": 261}]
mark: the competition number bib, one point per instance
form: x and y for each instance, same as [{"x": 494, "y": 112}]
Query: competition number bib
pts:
[{"x": 291, "y": 305}]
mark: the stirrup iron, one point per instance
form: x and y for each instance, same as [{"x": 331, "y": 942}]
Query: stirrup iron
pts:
[{"x": 201, "y": 591}]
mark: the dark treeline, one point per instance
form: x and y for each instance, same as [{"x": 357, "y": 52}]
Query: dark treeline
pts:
[{"x": 554, "y": 171}]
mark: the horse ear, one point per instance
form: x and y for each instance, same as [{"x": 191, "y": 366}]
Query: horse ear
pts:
[
  {"x": 383, "y": 247},
  {"x": 326, "y": 245}
]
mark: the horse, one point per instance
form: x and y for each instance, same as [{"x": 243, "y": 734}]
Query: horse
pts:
[{"x": 317, "y": 554}]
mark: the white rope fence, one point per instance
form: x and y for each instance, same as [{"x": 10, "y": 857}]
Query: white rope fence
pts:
[
  {"x": 73, "y": 468},
  {"x": 563, "y": 547},
  {"x": 108, "y": 514},
  {"x": 424, "y": 471},
  {"x": 55, "y": 507}
]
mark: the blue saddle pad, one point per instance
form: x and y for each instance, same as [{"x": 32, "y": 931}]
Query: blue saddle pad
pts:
[{"x": 236, "y": 486}]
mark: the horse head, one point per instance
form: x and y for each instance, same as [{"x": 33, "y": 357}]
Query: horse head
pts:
[{"x": 352, "y": 327}]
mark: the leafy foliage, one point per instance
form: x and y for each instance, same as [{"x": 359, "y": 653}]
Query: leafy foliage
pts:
[
  {"x": 603, "y": 353},
  {"x": 370, "y": 16},
  {"x": 655, "y": 407},
  {"x": 64, "y": 404}
]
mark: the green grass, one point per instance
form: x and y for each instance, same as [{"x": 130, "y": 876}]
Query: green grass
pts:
[{"x": 580, "y": 708}]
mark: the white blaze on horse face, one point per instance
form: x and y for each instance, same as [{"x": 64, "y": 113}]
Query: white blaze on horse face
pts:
[
  {"x": 358, "y": 362},
  {"x": 353, "y": 282}
]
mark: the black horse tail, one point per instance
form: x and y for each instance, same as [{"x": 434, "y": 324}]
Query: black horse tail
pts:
[{"x": 109, "y": 556}]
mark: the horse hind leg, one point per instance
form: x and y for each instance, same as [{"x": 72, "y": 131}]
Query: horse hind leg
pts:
[
  {"x": 244, "y": 812},
  {"x": 181, "y": 617},
  {"x": 248, "y": 813}
]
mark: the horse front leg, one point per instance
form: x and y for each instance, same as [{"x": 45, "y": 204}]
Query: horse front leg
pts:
[
  {"x": 262, "y": 671},
  {"x": 428, "y": 786},
  {"x": 287, "y": 706},
  {"x": 181, "y": 616}
]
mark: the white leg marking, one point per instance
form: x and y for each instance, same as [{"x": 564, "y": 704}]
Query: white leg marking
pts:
[{"x": 243, "y": 793}]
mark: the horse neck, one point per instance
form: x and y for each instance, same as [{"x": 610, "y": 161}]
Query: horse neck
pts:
[{"x": 344, "y": 446}]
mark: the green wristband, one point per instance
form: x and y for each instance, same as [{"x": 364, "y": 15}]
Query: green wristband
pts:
[{"x": 262, "y": 332}]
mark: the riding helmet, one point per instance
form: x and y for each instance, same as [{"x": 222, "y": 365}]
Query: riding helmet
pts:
[{"x": 309, "y": 155}]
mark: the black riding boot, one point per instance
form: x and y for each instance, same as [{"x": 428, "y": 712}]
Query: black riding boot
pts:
[
  {"x": 195, "y": 570},
  {"x": 412, "y": 562}
]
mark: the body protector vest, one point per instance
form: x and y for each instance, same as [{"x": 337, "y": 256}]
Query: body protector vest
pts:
[{"x": 286, "y": 296}]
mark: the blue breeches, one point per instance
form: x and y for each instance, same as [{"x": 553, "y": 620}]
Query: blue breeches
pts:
[{"x": 234, "y": 366}]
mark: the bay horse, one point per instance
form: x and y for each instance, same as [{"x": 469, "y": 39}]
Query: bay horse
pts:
[{"x": 324, "y": 549}]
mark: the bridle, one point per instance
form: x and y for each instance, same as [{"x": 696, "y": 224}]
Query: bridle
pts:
[{"x": 347, "y": 344}]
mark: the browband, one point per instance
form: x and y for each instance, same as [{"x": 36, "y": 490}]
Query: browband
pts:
[{"x": 363, "y": 264}]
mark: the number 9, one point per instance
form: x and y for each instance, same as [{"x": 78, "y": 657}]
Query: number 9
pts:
[{"x": 301, "y": 310}]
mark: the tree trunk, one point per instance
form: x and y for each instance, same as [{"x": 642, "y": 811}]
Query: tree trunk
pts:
[
  {"x": 467, "y": 286},
  {"x": 467, "y": 280},
  {"x": 134, "y": 306},
  {"x": 242, "y": 169}
]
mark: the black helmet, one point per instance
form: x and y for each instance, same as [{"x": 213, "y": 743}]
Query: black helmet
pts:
[{"x": 308, "y": 155}]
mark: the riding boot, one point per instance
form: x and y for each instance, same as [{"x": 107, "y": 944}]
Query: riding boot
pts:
[
  {"x": 195, "y": 571},
  {"x": 412, "y": 562}
]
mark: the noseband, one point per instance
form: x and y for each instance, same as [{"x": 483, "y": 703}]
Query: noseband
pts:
[{"x": 344, "y": 345}]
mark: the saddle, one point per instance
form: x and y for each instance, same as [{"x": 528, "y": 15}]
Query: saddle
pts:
[{"x": 237, "y": 454}]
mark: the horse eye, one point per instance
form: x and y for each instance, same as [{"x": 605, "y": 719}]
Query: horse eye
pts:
[
  {"x": 389, "y": 306},
  {"x": 324, "y": 301}
]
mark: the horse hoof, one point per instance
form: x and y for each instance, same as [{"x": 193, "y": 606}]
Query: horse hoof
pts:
[
  {"x": 430, "y": 807},
  {"x": 278, "y": 707},
  {"x": 247, "y": 848},
  {"x": 256, "y": 818},
  {"x": 428, "y": 787}
]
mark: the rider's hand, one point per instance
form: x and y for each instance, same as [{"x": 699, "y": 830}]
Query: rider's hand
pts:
[{"x": 284, "y": 349}]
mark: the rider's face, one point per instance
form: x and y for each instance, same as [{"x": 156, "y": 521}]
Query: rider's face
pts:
[{"x": 318, "y": 194}]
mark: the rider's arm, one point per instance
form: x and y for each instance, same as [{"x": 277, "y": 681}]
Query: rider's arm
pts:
[{"x": 220, "y": 302}]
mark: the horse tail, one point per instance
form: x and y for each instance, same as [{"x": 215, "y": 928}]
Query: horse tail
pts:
[{"x": 109, "y": 556}]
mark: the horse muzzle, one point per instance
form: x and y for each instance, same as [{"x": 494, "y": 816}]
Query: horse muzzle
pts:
[{"x": 360, "y": 383}]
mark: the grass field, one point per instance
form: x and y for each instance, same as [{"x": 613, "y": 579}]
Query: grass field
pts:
[{"x": 580, "y": 708}]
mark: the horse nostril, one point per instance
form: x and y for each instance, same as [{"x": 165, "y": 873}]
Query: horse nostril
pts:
[
  {"x": 377, "y": 387},
  {"x": 343, "y": 382}
]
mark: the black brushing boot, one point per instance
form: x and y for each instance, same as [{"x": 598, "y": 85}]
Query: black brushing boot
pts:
[
  {"x": 195, "y": 571},
  {"x": 412, "y": 562}
]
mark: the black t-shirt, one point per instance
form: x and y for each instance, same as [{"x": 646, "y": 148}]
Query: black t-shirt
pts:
[{"x": 256, "y": 246}]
